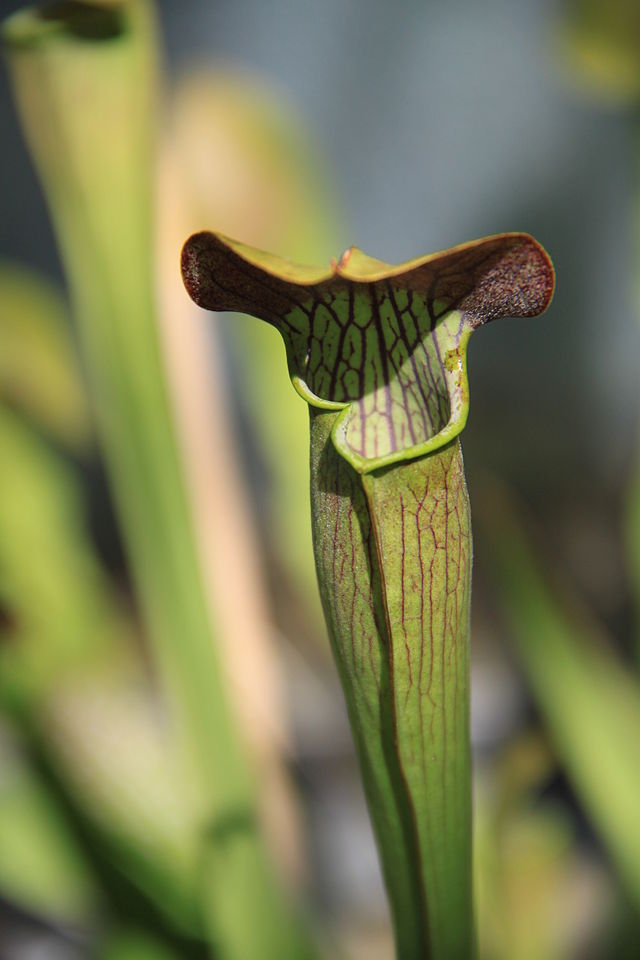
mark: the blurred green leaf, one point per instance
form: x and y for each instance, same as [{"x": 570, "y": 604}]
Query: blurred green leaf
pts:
[
  {"x": 531, "y": 884},
  {"x": 106, "y": 740},
  {"x": 84, "y": 76},
  {"x": 135, "y": 945},
  {"x": 68, "y": 669},
  {"x": 38, "y": 364},
  {"x": 601, "y": 42},
  {"x": 88, "y": 106},
  {"x": 42, "y": 867},
  {"x": 589, "y": 701},
  {"x": 60, "y": 607},
  {"x": 632, "y": 537},
  {"x": 539, "y": 897}
]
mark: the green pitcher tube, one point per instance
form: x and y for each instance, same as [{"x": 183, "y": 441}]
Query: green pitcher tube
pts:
[{"x": 379, "y": 354}]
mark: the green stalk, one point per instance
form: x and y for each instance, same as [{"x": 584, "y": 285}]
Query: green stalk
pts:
[
  {"x": 405, "y": 672},
  {"x": 379, "y": 353},
  {"x": 84, "y": 80}
]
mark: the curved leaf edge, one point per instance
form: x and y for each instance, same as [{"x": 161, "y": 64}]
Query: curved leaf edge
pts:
[{"x": 359, "y": 268}]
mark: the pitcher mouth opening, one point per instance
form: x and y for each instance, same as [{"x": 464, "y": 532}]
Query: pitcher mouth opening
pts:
[
  {"x": 362, "y": 465},
  {"x": 383, "y": 346}
]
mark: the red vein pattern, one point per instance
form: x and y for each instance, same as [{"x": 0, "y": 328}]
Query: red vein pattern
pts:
[
  {"x": 350, "y": 588},
  {"x": 393, "y": 554},
  {"x": 422, "y": 526},
  {"x": 393, "y": 560},
  {"x": 389, "y": 349}
]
